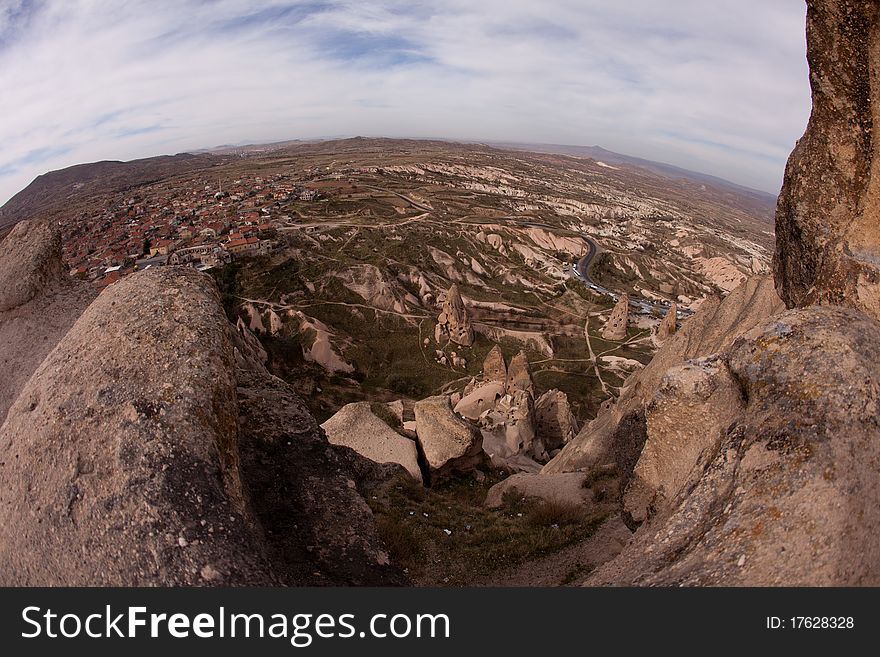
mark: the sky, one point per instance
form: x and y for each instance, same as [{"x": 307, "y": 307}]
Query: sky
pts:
[{"x": 716, "y": 86}]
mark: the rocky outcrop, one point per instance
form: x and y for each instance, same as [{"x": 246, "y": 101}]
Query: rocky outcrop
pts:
[
  {"x": 827, "y": 220},
  {"x": 31, "y": 263},
  {"x": 685, "y": 421},
  {"x": 453, "y": 324},
  {"x": 554, "y": 422},
  {"x": 38, "y": 303},
  {"x": 668, "y": 324},
  {"x": 519, "y": 375},
  {"x": 152, "y": 448},
  {"x": 494, "y": 368},
  {"x": 481, "y": 399},
  {"x": 793, "y": 479},
  {"x": 712, "y": 329},
  {"x": 356, "y": 426},
  {"x": 450, "y": 445},
  {"x": 615, "y": 327},
  {"x": 306, "y": 497},
  {"x": 565, "y": 487}
]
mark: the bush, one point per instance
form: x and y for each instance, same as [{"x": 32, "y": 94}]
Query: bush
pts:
[{"x": 547, "y": 513}]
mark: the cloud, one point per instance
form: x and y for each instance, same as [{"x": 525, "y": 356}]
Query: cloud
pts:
[{"x": 717, "y": 87}]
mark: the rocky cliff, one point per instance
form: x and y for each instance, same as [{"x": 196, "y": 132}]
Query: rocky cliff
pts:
[
  {"x": 828, "y": 217},
  {"x": 715, "y": 326},
  {"x": 38, "y": 303},
  {"x": 151, "y": 447},
  {"x": 757, "y": 465},
  {"x": 785, "y": 490}
]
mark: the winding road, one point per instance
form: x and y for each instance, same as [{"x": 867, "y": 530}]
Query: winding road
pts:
[{"x": 581, "y": 271}]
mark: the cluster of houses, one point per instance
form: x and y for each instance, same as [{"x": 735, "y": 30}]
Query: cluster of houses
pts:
[{"x": 204, "y": 223}]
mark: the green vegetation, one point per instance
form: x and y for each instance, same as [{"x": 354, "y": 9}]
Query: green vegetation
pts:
[{"x": 413, "y": 522}]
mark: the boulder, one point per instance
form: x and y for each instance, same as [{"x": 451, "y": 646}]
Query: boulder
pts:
[
  {"x": 668, "y": 323},
  {"x": 685, "y": 422},
  {"x": 615, "y": 327},
  {"x": 791, "y": 494},
  {"x": 38, "y": 303},
  {"x": 307, "y": 497},
  {"x": 494, "y": 368},
  {"x": 481, "y": 399},
  {"x": 356, "y": 426},
  {"x": 450, "y": 444},
  {"x": 453, "y": 323},
  {"x": 144, "y": 453},
  {"x": 565, "y": 487},
  {"x": 555, "y": 424},
  {"x": 828, "y": 214},
  {"x": 30, "y": 263},
  {"x": 120, "y": 456}
]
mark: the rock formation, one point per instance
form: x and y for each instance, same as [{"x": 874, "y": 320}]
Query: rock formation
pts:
[
  {"x": 687, "y": 419},
  {"x": 763, "y": 458},
  {"x": 450, "y": 445},
  {"x": 615, "y": 327},
  {"x": 152, "y": 448},
  {"x": 668, "y": 323},
  {"x": 502, "y": 404},
  {"x": 712, "y": 329},
  {"x": 519, "y": 375},
  {"x": 793, "y": 479},
  {"x": 481, "y": 399},
  {"x": 564, "y": 487},
  {"x": 453, "y": 323},
  {"x": 356, "y": 426},
  {"x": 38, "y": 303},
  {"x": 494, "y": 368},
  {"x": 554, "y": 422},
  {"x": 827, "y": 220},
  {"x": 31, "y": 263}
]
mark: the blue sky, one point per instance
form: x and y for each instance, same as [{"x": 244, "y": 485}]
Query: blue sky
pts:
[{"x": 712, "y": 85}]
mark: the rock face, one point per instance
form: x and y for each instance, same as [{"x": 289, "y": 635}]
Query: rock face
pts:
[
  {"x": 712, "y": 329},
  {"x": 307, "y": 497},
  {"x": 615, "y": 327},
  {"x": 828, "y": 216},
  {"x": 31, "y": 263},
  {"x": 150, "y": 448},
  {"x": 668, "y": 323},
  {"x": 450, "y": 444},
  {"x": 453, "y": 323},
  {"x": 554, "y": 421},
  {"x": 494, "y": 368},
  {"x": 794, "y": 478},
  {"x": 356, "y": 426},
  {"x": 686, "y": 420},
  {"x": 38, "y": 304},
  {"x": 519, "y": 375}
]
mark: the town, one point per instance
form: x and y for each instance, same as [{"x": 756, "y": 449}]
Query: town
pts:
[{"x": 205, "y": 224}]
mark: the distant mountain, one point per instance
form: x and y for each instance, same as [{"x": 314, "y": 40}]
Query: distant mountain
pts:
[
  {"x": 763, "y": 200},
  {"x": 84, "y": 181}
]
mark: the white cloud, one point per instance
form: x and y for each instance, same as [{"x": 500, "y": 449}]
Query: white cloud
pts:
[{"x": 716, "y": 86}]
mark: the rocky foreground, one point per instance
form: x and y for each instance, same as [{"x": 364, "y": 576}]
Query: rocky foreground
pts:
[
  {"x": 151, "y": 447},
  {"x": 144, "y": 441}
]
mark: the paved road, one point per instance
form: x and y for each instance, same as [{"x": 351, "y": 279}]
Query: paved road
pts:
[{"x": 581, "y": 271}]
